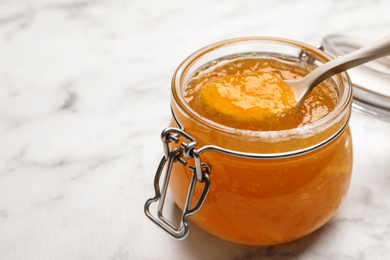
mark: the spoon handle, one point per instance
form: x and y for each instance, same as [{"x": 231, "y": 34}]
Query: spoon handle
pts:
[{"x": 370, "y": 52}]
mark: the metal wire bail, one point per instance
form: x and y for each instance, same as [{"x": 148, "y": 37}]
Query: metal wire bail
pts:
[{"x": 200, "y": 172}]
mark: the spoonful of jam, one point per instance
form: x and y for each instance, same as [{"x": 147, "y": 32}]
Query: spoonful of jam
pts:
[{"x": 253, "y": 96}]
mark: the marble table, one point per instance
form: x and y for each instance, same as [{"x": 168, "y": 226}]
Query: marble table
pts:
[{"x": 84, "y": 95}]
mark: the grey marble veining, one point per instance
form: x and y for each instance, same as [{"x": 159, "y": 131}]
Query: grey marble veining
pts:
[{"x": 85, "y": 94}]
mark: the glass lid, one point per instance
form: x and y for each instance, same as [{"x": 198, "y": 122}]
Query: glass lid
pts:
[{"x": 371, "y": 81}]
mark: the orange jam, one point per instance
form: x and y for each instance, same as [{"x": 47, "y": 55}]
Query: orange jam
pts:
[
  {"x": 241, "y": 104},
  {"x": 251, "y": 94},
  {"x": 245, "y": 98}
]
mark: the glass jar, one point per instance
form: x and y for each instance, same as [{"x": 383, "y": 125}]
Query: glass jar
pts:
[{"x": 254, "y": 187}]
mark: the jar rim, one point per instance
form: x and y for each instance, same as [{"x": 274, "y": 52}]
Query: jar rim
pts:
[{"x": 344, "y": 102}]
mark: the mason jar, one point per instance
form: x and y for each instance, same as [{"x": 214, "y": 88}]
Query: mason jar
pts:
[{"x": 253, "y": 187}]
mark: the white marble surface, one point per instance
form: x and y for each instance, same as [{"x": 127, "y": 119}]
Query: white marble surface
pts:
[{"x": 84, "y": 95}]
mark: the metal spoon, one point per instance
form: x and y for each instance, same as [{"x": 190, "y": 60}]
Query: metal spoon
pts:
[{"x": 302, "y": 87}]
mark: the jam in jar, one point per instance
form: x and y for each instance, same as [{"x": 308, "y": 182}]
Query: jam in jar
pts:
[{"x": 242, "y": 161}]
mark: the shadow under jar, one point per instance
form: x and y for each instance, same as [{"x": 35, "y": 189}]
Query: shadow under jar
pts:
[{"x": 254, "y": 187}]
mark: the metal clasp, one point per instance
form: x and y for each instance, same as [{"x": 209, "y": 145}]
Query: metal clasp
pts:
[{"x": 200, "y": 172}]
